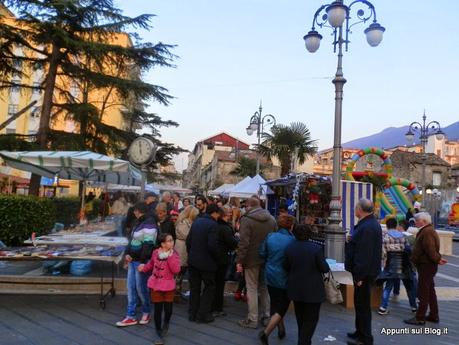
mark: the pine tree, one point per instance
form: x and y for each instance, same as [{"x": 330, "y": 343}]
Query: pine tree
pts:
[{"x": 72, "y": 41}]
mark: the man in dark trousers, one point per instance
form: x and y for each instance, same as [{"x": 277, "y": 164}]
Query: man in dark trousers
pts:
[
  {"x": 363, "y": 260},
  {"x": 426, "y": 257},
  {"x": 202, "y": 249}
]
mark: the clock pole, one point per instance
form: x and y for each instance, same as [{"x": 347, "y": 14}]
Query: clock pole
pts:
[
  {"x": 142, "y": 181},
  {"x": 142, "y": 158}
]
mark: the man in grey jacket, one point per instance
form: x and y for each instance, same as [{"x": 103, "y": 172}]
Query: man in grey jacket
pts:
[{"x": 256, "y": 224}]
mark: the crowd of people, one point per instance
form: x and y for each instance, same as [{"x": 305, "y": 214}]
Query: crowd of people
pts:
[
  {"x": 208, "y": 241},
  {"x": 274, "y": 261},
  {"x": 374, "y": 255}
]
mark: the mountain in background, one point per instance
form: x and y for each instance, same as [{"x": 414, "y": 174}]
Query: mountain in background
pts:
[{"x": 395, "y": 136}]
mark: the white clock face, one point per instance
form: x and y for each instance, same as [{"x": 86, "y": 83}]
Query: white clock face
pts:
[{"x": 141, "y": 151}]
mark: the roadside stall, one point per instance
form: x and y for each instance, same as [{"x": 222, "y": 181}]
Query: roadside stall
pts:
[
  {"x": 250, "y": 186},
  {"x": 222, "y": 190},
  {"x": 88, "y": 242},
  {"x": 308, "y": 197},
  {"x": 75, "y": 165}
]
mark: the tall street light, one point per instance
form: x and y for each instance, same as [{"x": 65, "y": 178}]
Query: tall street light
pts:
[
  {"x": 337, "y": 17},
  {"x": 256, "y": 125},
  {"x": 424, "y": 130}
]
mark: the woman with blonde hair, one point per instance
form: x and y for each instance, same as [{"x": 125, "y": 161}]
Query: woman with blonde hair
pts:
[
  {"x": 235, "y": 205},
  {"x": 182, "y": 228}
]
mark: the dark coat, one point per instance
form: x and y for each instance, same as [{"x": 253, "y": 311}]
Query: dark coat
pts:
[
  {"x": 226, "y": 242},
  {"x": 130, "y": 222},
  {"x": 256, "y": 224},
  {"x": 364, "y": 250},
  {"x": 305, "y": 263},
  {"x": 151, "y": 213},
  {"x": 167, "y": 227},
  {"x": 201, "y": 244},
  {"x": 426, "y": 247}
]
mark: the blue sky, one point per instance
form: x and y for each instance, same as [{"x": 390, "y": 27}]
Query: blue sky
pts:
[{"x": 234, "y": 53}]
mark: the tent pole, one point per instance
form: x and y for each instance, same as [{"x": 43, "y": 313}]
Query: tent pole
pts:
[{"x": 83, "y": 195}]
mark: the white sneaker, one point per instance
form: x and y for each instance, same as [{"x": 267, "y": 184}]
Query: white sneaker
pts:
[
  {"x": 145, "y": 319},
  {"x": 383, "y": 311}
]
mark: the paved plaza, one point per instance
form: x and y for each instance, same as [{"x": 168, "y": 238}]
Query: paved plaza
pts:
[{"x": 78, "y": 320}]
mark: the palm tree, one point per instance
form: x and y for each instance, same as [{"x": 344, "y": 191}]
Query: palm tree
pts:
[{"x": 286, "y": 143}]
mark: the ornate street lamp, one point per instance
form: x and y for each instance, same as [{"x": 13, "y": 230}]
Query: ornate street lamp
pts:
[
  {"x": 256, "y": 125},
  {"x": 424, "y": 130},
  {"x": 337, "y": 16}
]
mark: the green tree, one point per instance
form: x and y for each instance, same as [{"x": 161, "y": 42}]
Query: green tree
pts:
[
  {"x": 247, "y": 167},
  {"x": 73, "y": 39},
  {"x": 288, "y": 142}
]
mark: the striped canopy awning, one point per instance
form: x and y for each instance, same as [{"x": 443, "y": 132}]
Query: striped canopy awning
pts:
[{"x": 74, "y": 165}]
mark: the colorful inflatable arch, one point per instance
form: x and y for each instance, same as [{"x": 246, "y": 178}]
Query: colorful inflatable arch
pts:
[
  {"x": 369, "y": 150},
  {"x": 392, "y": 202}
]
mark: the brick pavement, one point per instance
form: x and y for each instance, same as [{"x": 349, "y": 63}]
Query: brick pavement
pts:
[{"x": 77, "y": 320}]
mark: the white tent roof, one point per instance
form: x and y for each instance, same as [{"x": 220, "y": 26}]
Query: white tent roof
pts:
[
  {"x": 223, "y": 189},
  {"x": 111, "y": 187},
  {"x": 74, "y": 165},
  {"x": 253, "y": 186},
  {"x": 168, "y": 188}
]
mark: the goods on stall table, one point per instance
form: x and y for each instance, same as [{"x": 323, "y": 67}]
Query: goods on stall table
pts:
[
  {"x": 99, "y": 228},
  {"x": 79, "y": 240},
  {"x": 61, "y": 251}
]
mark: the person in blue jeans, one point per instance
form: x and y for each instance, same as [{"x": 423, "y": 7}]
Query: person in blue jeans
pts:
[
  {"x": 397, "y": 266},
  {"x": 142, "y": 241}
]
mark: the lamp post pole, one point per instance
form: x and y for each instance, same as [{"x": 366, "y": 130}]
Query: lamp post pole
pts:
[
  {"x": 335, "y": 239},
  {"x": 259, "y": 130},
  {"x": 257, "y": 123},
  {"x": 425, "y": 130},
  {"x": 337, "y": 17}
]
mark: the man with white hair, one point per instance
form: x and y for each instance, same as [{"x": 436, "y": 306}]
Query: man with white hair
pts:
[
  {"x": 363, "y": 260},
  {"x": 167, "y": 199},
  {"x": 426, "y": 257}
]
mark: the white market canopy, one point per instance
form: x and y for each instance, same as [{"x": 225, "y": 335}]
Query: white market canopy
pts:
[
  {"x": 222, "y": 190},
  {"x": 74, "y": 165},
  {"x": 168, "y": 188},
  {"x": 251, "y": 186}
]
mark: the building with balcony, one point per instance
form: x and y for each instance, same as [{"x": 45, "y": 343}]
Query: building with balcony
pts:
[{"x": 204, "y": 151}]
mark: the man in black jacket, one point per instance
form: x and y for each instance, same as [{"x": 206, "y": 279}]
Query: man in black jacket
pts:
[
  {"x": 166, "y": 226},
  {"x": 201, "y": 205},
  {"x": 202, "y": 249},
  {"x": 151, "y": 199},
  {"x": 363, "y": 260},
  {"x": 226, "y": 243}
]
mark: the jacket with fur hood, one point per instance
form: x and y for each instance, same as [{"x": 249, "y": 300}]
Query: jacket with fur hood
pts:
[{"x": 256, "y": 224}]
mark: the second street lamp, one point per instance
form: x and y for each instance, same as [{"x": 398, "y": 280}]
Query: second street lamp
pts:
[
  {"x": 337, "y": 16},
  {"x": 256, "y": 125},
  {"x": 425, "y": 130}
]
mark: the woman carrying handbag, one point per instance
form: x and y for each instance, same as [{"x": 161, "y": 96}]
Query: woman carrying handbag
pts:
[{"x": 305, "y": 263}]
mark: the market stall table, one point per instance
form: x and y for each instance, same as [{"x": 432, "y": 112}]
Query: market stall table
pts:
[
  {"x": 94, "y": 249},
  {"x": 344, "y": 278}
]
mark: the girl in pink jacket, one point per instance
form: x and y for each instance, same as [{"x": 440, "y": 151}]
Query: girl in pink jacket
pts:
[{"x": 165, "y": 264}]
